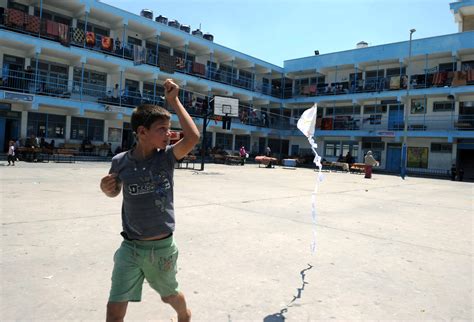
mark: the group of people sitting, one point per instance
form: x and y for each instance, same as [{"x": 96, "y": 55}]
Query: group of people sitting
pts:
[{"x": 347, "y": 159}]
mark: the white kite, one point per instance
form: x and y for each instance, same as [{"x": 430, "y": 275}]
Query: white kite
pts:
[{"x": 307, "y": 124}]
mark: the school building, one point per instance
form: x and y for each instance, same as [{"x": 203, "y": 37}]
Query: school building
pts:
[{"x": 74, "y": 70}]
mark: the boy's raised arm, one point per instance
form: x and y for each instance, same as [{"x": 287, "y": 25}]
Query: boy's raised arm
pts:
[{"x": 190, "y": 130}]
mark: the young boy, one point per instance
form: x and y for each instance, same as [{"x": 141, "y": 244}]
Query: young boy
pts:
[{"x": 146, "y": 174}]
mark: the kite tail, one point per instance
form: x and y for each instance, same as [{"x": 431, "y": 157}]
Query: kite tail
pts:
[{"x": 317, "y": 162}]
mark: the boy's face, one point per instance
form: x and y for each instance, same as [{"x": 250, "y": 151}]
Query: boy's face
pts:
[{"x": 158, "y": 135}]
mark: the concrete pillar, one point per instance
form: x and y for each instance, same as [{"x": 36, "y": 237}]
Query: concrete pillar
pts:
[
  {"x": 31, "y": 10},
  {"x": 70, "y": 79},
  {"x": 67, "y": 134},
  {"x": 140, "y": 87},
  {"x": 233, "y": 142},
  {"x": 74, "y": 23},
  {"x": 23, "y": 124}
]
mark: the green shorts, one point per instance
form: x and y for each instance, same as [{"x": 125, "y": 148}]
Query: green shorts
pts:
[{"x": 136, "y": 260}]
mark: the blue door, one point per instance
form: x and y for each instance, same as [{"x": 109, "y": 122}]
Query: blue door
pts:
[
  {"x": 394, "y": 159},
  {"x": 395, "y": 118}
]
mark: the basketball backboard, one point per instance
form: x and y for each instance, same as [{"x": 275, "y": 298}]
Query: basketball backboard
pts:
[{"x": 226, "y": 106}]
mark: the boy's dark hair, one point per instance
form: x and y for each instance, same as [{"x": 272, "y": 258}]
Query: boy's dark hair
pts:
[{"x": 146, "y": 114}]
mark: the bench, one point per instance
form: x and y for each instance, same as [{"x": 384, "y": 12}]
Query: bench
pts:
[
  {"x": 233, "y": 159},
  {"x": 64, "y": 155},
  {"x": 185, "y": 162},
  {"x": 264, "y": 160},
  {"x": 357, "y": 167}
]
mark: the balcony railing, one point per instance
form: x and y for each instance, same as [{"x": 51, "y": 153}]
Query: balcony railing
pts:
[
  {"x": 415, "y": 123},
  {"x": 57, "y": 85}
]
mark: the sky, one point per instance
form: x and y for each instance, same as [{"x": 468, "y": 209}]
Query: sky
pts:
[{"x": 279, "y": 30}]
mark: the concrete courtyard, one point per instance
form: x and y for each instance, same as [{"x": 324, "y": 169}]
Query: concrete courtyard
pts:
[{"x": 387, "y": 249}]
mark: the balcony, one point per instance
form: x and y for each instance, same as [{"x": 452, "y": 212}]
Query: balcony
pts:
[{"x": 17, "y": 21}]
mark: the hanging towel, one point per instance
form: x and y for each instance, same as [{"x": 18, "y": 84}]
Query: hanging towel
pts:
[
  {"x": 90, "y": 39},
  {"x": 395, "y": 82},
  {"x": 33, "y": 24},
  {"x": 52, "y": 28},
  {"x": 440, "y": 78},
  {"x": 107, "y": 43},
  {"x": 180, "y": 63},
  {"x": 63, "y": 31},
  {"x": 459, "y": 79},
  {"x": 470, "y": 75},
  {"x": 139, "y": 55}
]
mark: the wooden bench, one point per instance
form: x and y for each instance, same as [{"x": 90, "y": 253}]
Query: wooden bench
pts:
[
  {"x": 357, "y": 167},
  {"x": 233, "y": 159},
  {"x": 264, "y": 160},
  {"x": 64, "y": 155}
]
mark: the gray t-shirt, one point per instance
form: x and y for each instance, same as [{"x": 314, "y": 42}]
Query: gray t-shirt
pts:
[{"x": 147, "y": 189}]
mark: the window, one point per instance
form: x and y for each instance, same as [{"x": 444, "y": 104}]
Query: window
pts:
[
  {"x": 443, "y": 106},
  {"x": 242, "y": 140},
  {"x": 94, "y": 82},
  {"x": 375, "y": 119},
  {"x": 375, "y": 109},
  {"x": 447, "y": 67},
  {"x": 335, "y": 148},
  {"x": 418, "y": 106},
  {"x": 343, "y": 110},
  {"x": 134, "y": 41},
  {"x": 49, "y": 15},
  {"x": 441, "y": 147},
  {"x": 52, "y": 77},
  {"x": 85, "y": 128},
  {"x": 396, "y": 71},
  {"x": 373, "y": 145},
  {"x": 375, "y": 73},
  {"x": 224, "y": 141},
  {"x": 17, "y": 6},
  {"x": 95, "y": 29},
  {"x": 46, "y": 125}
]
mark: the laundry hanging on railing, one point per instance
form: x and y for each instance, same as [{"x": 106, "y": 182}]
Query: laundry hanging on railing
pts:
[
  {"x": 15, "y": 18},
  {"x": 78, "y": 36},
  {"x": 167, "y": 63},
  {"x": 90, "y": 39},
  {"x": 107, "y": 43},
  {"x": 52, "y": 28},
  {"x": 33, "y": 24},
  {"x": 63, "y": 32},
  {"x": 199, "y": 68},
  {"x": 180, "y": 63},
  {"x": 459, "y": 79},
  {"x": 139, "y": 55}
]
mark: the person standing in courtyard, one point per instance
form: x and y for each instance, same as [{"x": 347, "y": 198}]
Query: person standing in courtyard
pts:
[
  {"x": 369, "y": 163},
  {"x": 243, "y": 155},
  {"x": 11, "y": 153},
  {"x": 145, "y": 172}
]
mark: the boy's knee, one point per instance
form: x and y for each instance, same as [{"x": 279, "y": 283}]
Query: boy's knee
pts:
[
  {"x": 170, "y": 298},
  {"x": 116, "y": 311}
]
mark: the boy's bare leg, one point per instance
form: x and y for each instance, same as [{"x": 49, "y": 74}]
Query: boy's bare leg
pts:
[
  {"x": 178, "y": 302},
  {"x": 116, "y": 311}
]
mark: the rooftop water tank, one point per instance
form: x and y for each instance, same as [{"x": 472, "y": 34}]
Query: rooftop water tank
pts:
[
  {"x": 197, "y": 32},
  {"x": 362, "y": 44},
  {"x": 161, "y": 19},
  {"x": 185, "y": 28},
  {"x": 147, "y": 13},
  {"x": 208, "y": 36},
  {"x": 173, "y": 23}
]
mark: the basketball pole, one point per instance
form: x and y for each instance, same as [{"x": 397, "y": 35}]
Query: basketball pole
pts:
[{"x": 205, "y": 123}]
